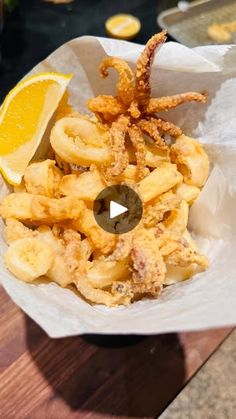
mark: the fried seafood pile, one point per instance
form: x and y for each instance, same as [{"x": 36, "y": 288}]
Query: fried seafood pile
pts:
[{"x": 49, "y": 223}]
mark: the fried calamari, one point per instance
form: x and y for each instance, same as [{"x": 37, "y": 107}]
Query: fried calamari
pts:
[
  {"x": 50, "y": 225},
  {"x": 134, "y": 103}
]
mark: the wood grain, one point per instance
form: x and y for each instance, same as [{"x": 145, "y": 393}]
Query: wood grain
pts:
[{"x": 92, "y": 376}]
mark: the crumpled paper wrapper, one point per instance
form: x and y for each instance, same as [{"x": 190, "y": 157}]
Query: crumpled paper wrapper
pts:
[{"x": 207, "y": 300}]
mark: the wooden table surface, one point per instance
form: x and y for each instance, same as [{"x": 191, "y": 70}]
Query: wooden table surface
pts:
[{"x": 92, "y": 376}]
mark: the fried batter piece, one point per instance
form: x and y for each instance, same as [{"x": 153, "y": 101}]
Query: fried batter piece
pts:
[
  {"x": 155, "y": 210},
  {"x": 77, "y": 251},
  {"x": 59, "y": 271},
  {"x": 147, "y": 264},
  {"x": 187, "y": 192},
  {"x": 123, "y": 246},
  {"x": 87, "y": 225},
  {"x": 85, "y": 186},
  {"x": 177, "y": 219},
  {"x": 103, "y": 272},
  {"x": 180, "y": 250},
  {"x": 38, "y": 208},
  {"x": 191, "y": 160},
  {"x": 99, "y": 296},
  {"x": 15, "y": 230},
  {"x": 160, "y": 180},
  {"x": 43, "y": 178},
  {"x": 135, "y": 291}
]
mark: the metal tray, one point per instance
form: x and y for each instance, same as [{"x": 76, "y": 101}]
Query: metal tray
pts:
[{"x": 190, "y": 27}]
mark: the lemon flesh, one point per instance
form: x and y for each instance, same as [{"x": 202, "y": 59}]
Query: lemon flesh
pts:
[
  {"x": 24, "y": 117},
  {"x": 123, "y": 26}
]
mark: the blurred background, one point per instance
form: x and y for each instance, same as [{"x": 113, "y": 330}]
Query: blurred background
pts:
[
  {"x": 32, "y": 29},
  {"x": 35, "y": 28}
]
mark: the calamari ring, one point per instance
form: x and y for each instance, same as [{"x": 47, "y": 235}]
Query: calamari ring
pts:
[{"x": 75, "y": 139}]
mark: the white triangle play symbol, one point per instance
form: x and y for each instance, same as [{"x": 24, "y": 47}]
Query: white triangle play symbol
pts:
[{"x": 116, "y": 209}]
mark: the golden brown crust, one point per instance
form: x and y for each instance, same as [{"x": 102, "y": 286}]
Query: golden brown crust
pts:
[
  {"x": 125, "y": 86},
  {"x": 117, "y": 138},
  {"x": 143, "y": 69},
  {"x": 104, "y": 104},
  {"x": 166, "y": 127},
  {"x": 134, "y": 102},
  {"x": 165, "y": 103},
  {"x": 150, "y": 128},
  {"x": 147, "y": 264},
  {"x": 138, "y": 142}
]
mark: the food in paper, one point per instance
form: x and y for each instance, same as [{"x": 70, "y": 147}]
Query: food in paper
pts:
[
  {"x": 49, "y": 223},
  {"x": 222, "y": 32}
]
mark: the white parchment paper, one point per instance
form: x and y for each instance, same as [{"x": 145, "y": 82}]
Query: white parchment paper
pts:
[{"x": 209, "y": 299}]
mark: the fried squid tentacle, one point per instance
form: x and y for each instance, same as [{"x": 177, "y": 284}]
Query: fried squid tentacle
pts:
[
  {"x": 138, "y": 142},
  {"x": 143, "y": 69},
  {"x": 106, "y": 105},
  {"x": 125, "y": 85},
  {"x": 167, "y": 127},
  {"x": 117, "y": 138},
  {"x": 151, "y": 129},
  {"x": 134, "y": 110},
  {"x": 168, "y": 102}
]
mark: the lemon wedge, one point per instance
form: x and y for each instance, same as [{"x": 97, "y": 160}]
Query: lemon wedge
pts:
[
  {"x": 123, "y": 26},
  {"x": 24, "y": 116}
]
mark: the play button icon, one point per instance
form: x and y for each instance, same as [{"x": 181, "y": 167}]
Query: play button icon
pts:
[{"x": 118, "y": 209}]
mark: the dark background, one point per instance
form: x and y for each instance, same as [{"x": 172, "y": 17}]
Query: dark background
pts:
[{"x": 37, "y": 28}]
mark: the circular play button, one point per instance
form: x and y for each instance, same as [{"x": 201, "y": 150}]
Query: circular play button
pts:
[{"x": 118, "y": 209}]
